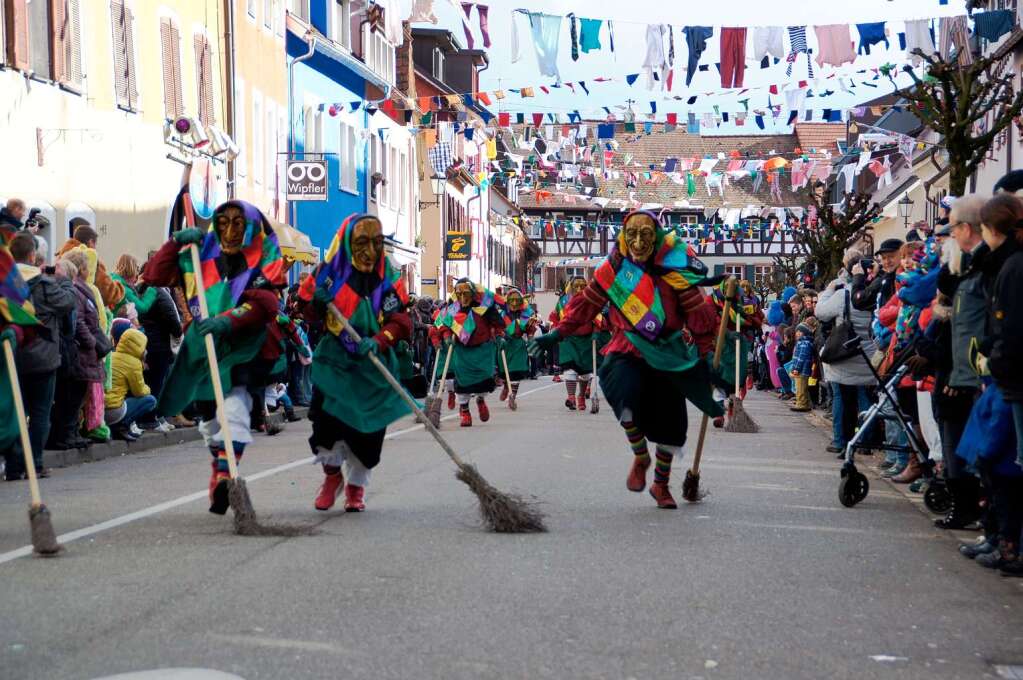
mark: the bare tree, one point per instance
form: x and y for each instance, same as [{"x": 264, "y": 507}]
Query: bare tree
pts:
[
  {"x": 969, "y": 105},
  {"x": 838, "y": 226}
]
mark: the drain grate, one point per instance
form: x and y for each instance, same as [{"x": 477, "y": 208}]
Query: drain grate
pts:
[{"x": 1009, "y": 672}]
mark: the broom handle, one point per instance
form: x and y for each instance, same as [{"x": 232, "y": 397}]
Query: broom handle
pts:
[
  {"x": 738, "y": 348},
  {"x": 399, "y": 389},
  {"x": 433, "y": 380},
  {"x": 718, "y": 349},
  {"x": 447, "y": 364},
  {"x": 19, "y": 410},
  {"x": 507, "y": 374},
  {"x": 211, "y": 356}
]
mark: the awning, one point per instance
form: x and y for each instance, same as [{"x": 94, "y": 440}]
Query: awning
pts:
[{"x": 295, "y": 245}]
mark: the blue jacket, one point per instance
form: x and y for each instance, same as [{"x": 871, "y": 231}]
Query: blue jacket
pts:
[{"x": 802, "y": 357}]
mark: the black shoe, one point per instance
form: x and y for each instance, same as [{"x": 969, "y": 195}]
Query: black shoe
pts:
[
  {"x": 59, "y": 446},
  {"x": 42, "y": 472},
  {"x": 835, "y": 449},
  {"x": 220, "y": 502},
  {"x": 972, "y": 550},
  {"x": 996, "y": 559},
  {"x": 1013, "y": 568},
  {"x": 291, "y": 417},
  {"x": 123, "y": 433},
  {"x": 14, "y": 476},
  {"x": 80, "y": 443}
]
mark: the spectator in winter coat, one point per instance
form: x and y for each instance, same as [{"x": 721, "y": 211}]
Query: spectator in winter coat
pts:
[
  {"x": 850, "y": 377},
  {"x": 112, "y": 291},
  {"x": 12, "y": 215},
  {"x": 802, "y": 366},
  {"x": 871, "y": 296},
  {"x": 162, "y": 325},
  {"x": 129, "y": 398},
  {"x": 39, "y": 358}
]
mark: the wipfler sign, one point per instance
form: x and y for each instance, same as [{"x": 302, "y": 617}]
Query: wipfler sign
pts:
[{"x": 307, "y": 180}]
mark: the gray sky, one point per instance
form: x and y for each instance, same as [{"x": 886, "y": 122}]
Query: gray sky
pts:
[{"x": 630, "y": 19}]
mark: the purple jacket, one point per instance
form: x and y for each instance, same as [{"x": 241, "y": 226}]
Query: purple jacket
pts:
[{"x": 89, "y": 338}]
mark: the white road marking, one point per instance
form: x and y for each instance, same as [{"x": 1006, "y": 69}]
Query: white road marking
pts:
[
  {"x": 282, "y": 643},
  {"x": 71, "y": 536}
]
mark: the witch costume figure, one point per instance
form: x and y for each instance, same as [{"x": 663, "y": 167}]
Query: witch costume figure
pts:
[
  {"x": 575, "y": 351},
  {"x": 661, "y": 326},
  {"x": 352, "y": 403},
  {"x": 520, "y": 323},
  {"x": 473, "y": 326},
  {"x": 242, "y": 272}
]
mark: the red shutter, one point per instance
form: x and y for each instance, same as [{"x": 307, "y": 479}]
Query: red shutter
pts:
[
  {"x": 204, "y": 79},
  {"x": 16, "y": 30},
  {"x": 170, "y": 97}
]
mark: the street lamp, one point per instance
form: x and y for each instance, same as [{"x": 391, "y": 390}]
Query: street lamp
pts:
[
  {"x": 905, "y": 210},
  {"x": 437, "y": 185}
]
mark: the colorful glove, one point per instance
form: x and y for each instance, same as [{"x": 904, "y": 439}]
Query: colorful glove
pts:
[
  {"x": 217, "y": 326},
  {"x": 547, "y": 341},
  {"x": 500, "y": 341},
  {"x": 367, "y": 346},
  {"x": 8, "y": 335},
  {"x": 322, "y": 296},
  {"x": 188, "y": 236},
  {"x": 449, "y": 340}
]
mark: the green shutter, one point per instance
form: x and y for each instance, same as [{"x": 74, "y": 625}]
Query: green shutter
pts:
[{"x": 719, "y": 270}]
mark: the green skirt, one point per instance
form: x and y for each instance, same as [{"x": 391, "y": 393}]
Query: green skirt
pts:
[
  {"x": 575, "y": 353},
  {"x": 474, "y": 368},
  {"x": 353, "y": 389},
  {"x": 518, "y": 359}
]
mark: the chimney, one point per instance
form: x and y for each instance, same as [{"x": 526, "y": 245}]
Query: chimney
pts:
[{"x": 405, "y": 65}]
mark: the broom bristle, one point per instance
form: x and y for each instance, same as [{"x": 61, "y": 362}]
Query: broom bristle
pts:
[
  {"x": 691, "y": 488},
  {"x": 44, "y": 539},
  {"x": 433, "y": 413},
  {"x": 501, "y": 512},
  {"x": 245, "y": 522},
  {"x": 740, "y": 420}
]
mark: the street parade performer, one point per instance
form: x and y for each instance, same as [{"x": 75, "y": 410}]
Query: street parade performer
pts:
[
  {"x": 352, "y": 403},
  {"x": 437, "y": 340},
  {"x": 472, "y": 324},
  {"x": 520, "y": 323},
  {"x": 575, "y": 351},
  {"x": 242, "y": 271},
  {"x": 662, "y": 326}
]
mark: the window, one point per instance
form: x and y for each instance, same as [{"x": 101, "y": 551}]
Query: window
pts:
[
  {"x": 763, "y": 274},
  {"x": 39, "y": 33},
  {"x": 268, "y": 15},
  {"x": 687, "y": 219},
  {"x": 378, "y": 54},
  {"x": 300, "y": 8},
  {"x": 573, "y": 272},
  {"x": 270, "y": 156},
  {"x": 403, "y": 184},
  {"x": 313, "y": 140},
  {"x": 67, "y": 44},
  {"x": 735, "y": 270},
  {"x": 257, "y": 137},
  {"x": 241, "y": 163},
  {"x": 170, "y": 46},
  {"x": 278, "y": 19},
  {"x": 204, "y": 79},
  {"x": 377, "y": 169},
  {"x": 394, "y": 180},
  {"x": 122, "y": 22},
  {"x": 438, "y": 64},
  {"x": 346, "y": 159},
  {"x": 250, "y": 9},
  {"x": 341, "y": 22}
]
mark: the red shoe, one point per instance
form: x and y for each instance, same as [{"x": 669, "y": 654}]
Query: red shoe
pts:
[
  {"x": 354, "y": 498},
  {"x": 466, "y": 417},
  {"x": 570, "y": 404},
  {"x": 556, "y": 378},
  {"x": 484, "y": 411},
  {"x": 451, "y": 401},
  {"x": 580, "y": 403},
  {"x": 329, "y": 490},
  {"x": 662, "y": 494},
  {"x": 636, "y": 480},
  {"x": 504, "y": 392},
  {"x": 719, "y": 422}
]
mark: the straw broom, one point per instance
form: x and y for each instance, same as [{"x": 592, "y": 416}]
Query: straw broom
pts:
[
  {"x": 739, "y": 420},
  {"x": 502, "y": 513},
  {"x": 691, "y": 485},
  {"x": 433, "y": 407},
  {"x": 507, "y": 379},
  {"x": 430, "y": 396},
  {"x": 44, "y": 539}
]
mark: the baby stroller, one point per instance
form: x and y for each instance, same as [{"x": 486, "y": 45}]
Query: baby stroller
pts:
[{"x": 854, "y": 485}]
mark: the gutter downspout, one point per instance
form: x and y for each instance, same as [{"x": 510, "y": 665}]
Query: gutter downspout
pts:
[
  {"x": 229, "y": 102},
  {"x": 310, "y": 39}
]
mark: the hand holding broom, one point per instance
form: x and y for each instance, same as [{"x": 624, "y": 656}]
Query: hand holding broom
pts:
[{"x": 501, "y": 512}]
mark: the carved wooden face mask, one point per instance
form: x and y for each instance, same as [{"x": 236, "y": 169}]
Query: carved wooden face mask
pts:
[
  {"x": 515, "y": 302},
  {"x": 577, "y": 286},
  {"x": 367, "y": 244},
  {"x": 640, "y": 233},
  {"x": 230, "y": 227},
  {"x": 464, "y": 294}
]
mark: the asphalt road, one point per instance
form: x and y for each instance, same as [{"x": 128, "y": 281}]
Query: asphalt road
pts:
[{"x": 767, "y": 578}]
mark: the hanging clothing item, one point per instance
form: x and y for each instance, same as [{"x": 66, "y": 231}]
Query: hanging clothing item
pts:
[
  {"x": 546, "y": 29},
  {"x": 795, "y": 100},
  {"x": 919, "y": 37},
  {"x": 655, "y": 61},
  {"x": 992, "y": 25},
  {"x": 733, "y": 56},
  {"x": 955, "y": 34},
  {"x": 834, "y": 45},
  {"x": 716, "y": 180},
  {"x": 482, "y": 10},
  {"x": 797, "y": 36},
  {"x": 768, "y": 41},
  {"x": 573, "y": 34},
  {"x": 871, "y": 34},
  {"x": 589, "y": 34},
  {"x": 422, "y": 11},
  {"x": 696, "y": 40}
]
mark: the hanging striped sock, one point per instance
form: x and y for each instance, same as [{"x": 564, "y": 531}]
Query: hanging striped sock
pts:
[
  {"x": 570, "y": 386},
  {"x": 662, "y": 470},
  {"x": 637, "y": 441}
]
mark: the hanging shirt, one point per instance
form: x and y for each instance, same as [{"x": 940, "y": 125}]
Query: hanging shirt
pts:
[
  {"x": 871, "y": 34},
  {"x": 589, "y": 34},
  {"x": 696, "y": 41},
  {"x": 834, "y": 45},
  {"x": 919, "y": 36},
  {"x": 768, "y": 41}
]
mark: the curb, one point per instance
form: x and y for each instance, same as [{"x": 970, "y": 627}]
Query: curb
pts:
[{"x": 148, "y": 442}]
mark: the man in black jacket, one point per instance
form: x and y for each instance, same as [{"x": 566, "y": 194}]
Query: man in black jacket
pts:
[
  {"x": 39, "y": 359},
  {"x": 12, "y": 215},
  {"x": 162, "y": 325},
  {"x": 870, "y": 297}
]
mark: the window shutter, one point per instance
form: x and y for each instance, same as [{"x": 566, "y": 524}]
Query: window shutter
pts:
[
  {"x": 179, "y": 94},
  {"x": 58, "y": 44},
  {"x": 169, "y": 47},
  {"x": 129, "y": 51},
  {"x": 16, "y": 30},
  {"x": 125, "y": 84},
  {"x": 73, "y": 44},
  {"x": 204, "y": 79}
]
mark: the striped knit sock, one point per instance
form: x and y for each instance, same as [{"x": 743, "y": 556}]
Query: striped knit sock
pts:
[
  {"x": 662, "y": 470},
  {"x": 221, "y": 456},
  {"x": 515, "y": 388},
  {"x": 637, "y": 441},
  {"x": 570, "y": 386}
]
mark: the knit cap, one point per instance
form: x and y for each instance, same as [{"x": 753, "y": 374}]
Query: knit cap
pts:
[
  {"x": 117, "y": 328},
  {"x": 787, "y": 294},
  {"x": 804, "y": 329}
]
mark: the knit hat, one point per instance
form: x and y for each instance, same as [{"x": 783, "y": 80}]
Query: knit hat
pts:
[
  {"x": 789, "y": 293},
  {"x": 804, "y": 329},
  {"x": 117, "y": 328}
]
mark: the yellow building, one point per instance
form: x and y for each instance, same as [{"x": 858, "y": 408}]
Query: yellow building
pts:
[{"x": 87, "y": 99}]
